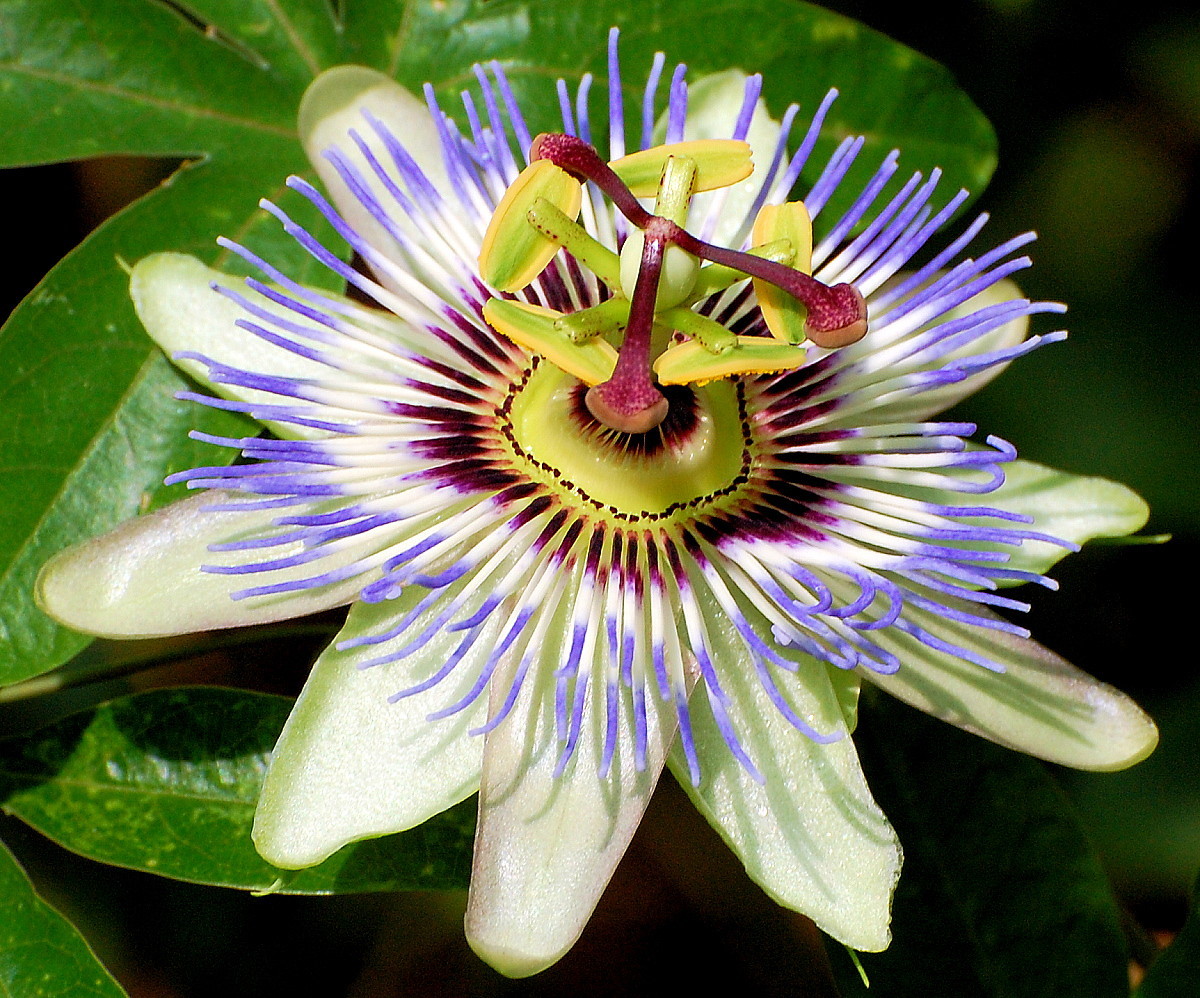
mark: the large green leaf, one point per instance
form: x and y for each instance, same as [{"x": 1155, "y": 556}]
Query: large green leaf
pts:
[
  {"x": 91, "y": 426},
  {"x": 167, "y": 782},
  {"x": 41, "y": 954},
  {"x": 1000, "y": 896}
]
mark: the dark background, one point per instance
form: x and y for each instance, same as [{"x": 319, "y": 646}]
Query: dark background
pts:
[{"x": 1098, "y": 115}]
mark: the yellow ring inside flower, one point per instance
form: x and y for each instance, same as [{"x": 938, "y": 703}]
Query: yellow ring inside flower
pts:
[{"x": 561, "y": 446}]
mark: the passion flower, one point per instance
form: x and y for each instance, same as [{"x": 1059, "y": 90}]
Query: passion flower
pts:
[{"x": 610, "y": 488}]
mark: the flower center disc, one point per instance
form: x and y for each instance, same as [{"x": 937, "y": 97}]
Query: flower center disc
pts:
[{"x": 700, "y": 452}]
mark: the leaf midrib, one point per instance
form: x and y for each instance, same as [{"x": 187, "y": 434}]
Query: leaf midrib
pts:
[{"x": 146, "y": 100}]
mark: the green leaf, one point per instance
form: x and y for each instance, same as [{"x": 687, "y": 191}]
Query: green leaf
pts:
[
  {"x": 91, "y": 423},
  {"x": 167, "y": 782},
  {"x": 41, "y": 954},
  {"x": 1000, "y": 895},
  {"x": 1175, "y": 972}
]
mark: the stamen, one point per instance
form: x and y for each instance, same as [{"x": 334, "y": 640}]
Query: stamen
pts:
[{"x": 837, "y": 315}]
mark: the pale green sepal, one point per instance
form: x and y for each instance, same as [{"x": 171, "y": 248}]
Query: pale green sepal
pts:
[
  {"x": 1040, "y": 704},
  {"x": 546, "y": 846},
  {"x": 334, "y": 104},
  {"x": 143, "y": 579},
  {"x": 811, "y": 835},
  {"x": 350, "y": 765},
  {"x": 1075, "y": 508},
  {"x": 173, "y": 296},
  {"x": 929, "y": 402},
  {"x": 714, "y": 102}
]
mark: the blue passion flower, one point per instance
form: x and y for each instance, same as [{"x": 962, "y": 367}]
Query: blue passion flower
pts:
[{"x": 611, "y": 485}]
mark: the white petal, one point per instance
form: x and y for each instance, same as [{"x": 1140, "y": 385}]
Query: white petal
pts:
[
  {"x": 929, "y": 403},
  {"x": 350, "y": 765},
  {"x": 811, "y": 835},
  {"x": 333, "y": 106},
  {"x": 174, "y": 298},
  {"x": 1041, "y": 704},
  {"x": 143, "y": 579},
  {"x": 547, "y": 846}
]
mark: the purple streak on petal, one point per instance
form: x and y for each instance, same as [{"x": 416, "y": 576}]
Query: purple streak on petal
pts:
[
  {"x": 515, "y": 628},
  {"x": 767, "y": 681},
  {"x": 612, "y": 692},
  {"x": 282, "y": 322},
  {"x": 973, "y": 595},
  {"x": 937, "y": 644},
  {"x": 639, "y": 729},
  {"x": 686, "y": 737},
  {"x": 934, "y": 266},
  {"x": 616, "y": 110},
  {"x": 800, "y": 159},
  {"x": 648, "y": 97},
  {"x": 576, "y": 726},
  {"x": 677, "y": 105},
  {"x": 507, "y": 163},
  {"x": 256, "y": 543},
  {"x": 564, "y": 107},
  {"x": 510, "y": 699},
  {"x": 568, "y": 671},
  {"x": 403, "y": 200},
  {"x": 1019, "y": 576},
  {"x": 581, "y": 108},
  {"x": 312, "y": 582},
  {"x": 914, "y": 241},
  {"x": 419, "y": 185},
  {"x": 718, "y": 703},
  {"x": 448, "y": 667},
  {"x": 864, "y": 201},
  {"x": 750, "y": 95},
  {"x": 426, "y": 601},
  {"x": 455, "y": 168},
  {"x": 479, "y": 616},
  {"x": 764, "y": 191},
  {"x": 899, "y": 214},
  {"x": 314, "y": 248},
  {"x": 833, "y": 174},
  {"x": 516, "y": 119},
  {"x": 280, "y": 278}
]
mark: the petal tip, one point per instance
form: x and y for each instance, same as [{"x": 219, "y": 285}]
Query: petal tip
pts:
[
  {"x": 503, "y": 956},
  {"x": 333, "y": 91}
]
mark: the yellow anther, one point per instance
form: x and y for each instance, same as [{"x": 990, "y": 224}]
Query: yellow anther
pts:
[
  {"x": 690, "y": 363},
  {"x": 514, "y": 252},
  {"x": 534, "y": 328},
  {"x": 783, "y": 314},
  {"x": 719, "y": 163}
]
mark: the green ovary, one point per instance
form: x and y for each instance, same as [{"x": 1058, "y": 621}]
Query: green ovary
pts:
[{"x": 689, "y": 467}]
